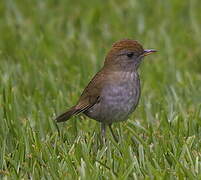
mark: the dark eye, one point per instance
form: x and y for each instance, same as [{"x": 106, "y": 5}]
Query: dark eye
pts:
[{"x": 130, "y": 54}]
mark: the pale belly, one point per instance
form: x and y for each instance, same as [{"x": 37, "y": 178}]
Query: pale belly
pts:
[{"x": 117, "y": 102}]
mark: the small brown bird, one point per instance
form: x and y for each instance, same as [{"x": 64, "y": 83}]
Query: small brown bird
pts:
[{"x": 114, "y": 92}]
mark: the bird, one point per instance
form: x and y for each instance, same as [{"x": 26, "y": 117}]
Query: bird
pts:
[{"x": 114, "y": 92}]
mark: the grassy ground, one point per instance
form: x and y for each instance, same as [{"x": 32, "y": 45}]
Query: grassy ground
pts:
[{"x": 48, "y": 52}]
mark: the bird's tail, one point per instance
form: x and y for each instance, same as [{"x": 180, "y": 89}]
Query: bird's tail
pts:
[{"x": 67, "y": 115}]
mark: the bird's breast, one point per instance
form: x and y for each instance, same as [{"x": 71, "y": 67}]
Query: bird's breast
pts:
[
  {"x": 118, "y": 99},
  {"x": 124, "y": 94}
]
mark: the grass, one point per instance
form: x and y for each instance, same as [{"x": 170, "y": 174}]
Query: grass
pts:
[{"x": 50, "y": 49}]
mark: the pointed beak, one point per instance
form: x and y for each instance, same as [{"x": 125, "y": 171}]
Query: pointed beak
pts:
[{"x": 148, "y": 51}]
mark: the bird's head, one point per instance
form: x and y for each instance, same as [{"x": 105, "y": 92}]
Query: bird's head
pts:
[{"x": 126, "y": 53}]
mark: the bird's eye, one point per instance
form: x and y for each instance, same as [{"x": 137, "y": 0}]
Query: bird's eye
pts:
[{"x": 130, "y": 54}]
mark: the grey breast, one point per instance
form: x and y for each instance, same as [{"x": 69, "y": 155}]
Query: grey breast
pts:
[{"x": 117, "y": 100}]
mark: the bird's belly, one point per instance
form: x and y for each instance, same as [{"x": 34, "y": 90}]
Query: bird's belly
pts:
[{"x": 116, "y": 103}]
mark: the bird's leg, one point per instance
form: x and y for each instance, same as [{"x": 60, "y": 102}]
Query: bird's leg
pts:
[
  {"x": 103, "y": 132},
  {"x": 115, "y": 138}
]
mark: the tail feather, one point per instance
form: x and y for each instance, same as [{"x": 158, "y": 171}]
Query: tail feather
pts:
[{"x": 67, "y": 115}]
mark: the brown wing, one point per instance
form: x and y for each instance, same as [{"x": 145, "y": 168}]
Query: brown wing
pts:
[
  {"x": 89, "y": 97},
  {"x": 91, "y": 94}
]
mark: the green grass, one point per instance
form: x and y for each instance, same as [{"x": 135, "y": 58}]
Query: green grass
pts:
[{"x": 50, "y": 49}]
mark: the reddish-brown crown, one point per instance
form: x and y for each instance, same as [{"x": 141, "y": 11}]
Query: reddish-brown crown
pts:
[
  {"x": 128, "y": 45},
  {"x": 125, "y": 44}
]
